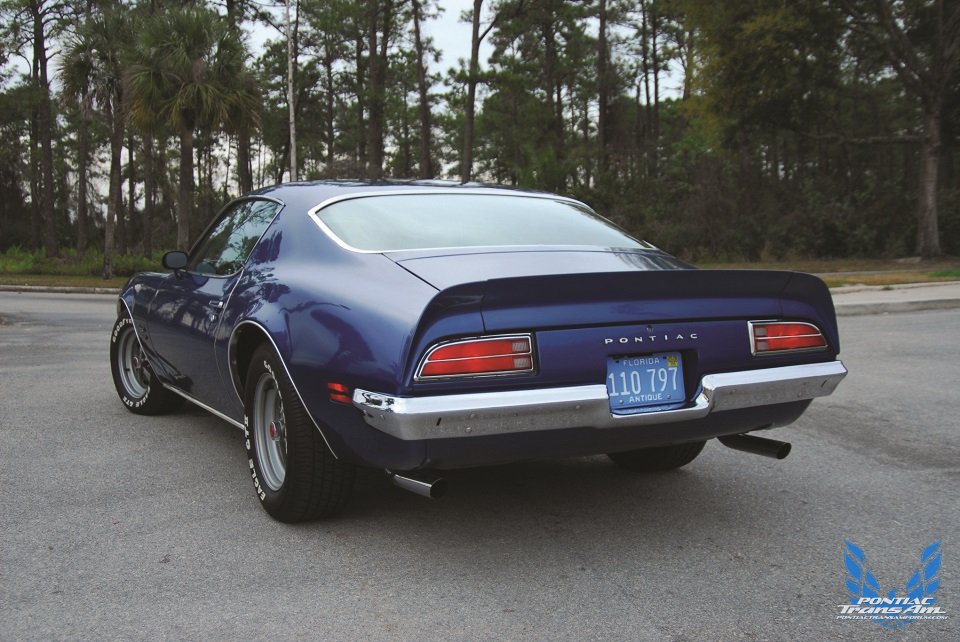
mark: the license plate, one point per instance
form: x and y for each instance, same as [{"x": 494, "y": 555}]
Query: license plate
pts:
[{"x": 645, "y": 383}]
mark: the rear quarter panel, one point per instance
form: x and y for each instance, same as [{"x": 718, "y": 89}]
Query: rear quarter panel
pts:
[{"x": 334, "y": 316}]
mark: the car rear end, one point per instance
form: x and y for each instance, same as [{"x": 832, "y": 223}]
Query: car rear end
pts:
[{"x": 577, "y": 364}]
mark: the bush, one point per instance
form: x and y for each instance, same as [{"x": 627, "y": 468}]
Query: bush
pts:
[{"x": 19, "y": 261}]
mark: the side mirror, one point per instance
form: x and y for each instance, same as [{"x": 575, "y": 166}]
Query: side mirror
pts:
[{"x": 175, "y": 260}]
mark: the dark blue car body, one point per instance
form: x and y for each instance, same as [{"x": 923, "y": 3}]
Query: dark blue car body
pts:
[{"x": 365, "y": 320}]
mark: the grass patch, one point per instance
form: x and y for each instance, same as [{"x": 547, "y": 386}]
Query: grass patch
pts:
[
  {"x": 70, "y": 269},
  {"x": 16, "y": 261}
]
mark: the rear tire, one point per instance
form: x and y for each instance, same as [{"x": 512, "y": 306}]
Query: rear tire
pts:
[
  {"x": 649, "y": 460},
  {"x": 294, "y": 473},
  {"x": 138, "y": 387}
]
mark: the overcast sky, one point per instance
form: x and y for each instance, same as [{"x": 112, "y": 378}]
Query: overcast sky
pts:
[{"x": 450, "y": 36}]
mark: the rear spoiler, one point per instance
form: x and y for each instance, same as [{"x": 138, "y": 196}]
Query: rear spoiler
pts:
[{"x": 640, "y": 296}]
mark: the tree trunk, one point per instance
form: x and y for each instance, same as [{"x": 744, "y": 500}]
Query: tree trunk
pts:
[
  {"x": 585, "y": 132},
  {"x": 603, "y": 88},
  {"x": 244, "y": 171},
  {"x": 120, "y": 231},
  {"x": 690, "y": 62},
  {"x": 928, "y": 234},
  {"x": 645, "y": 66},
  {"x": 149, "y": 193},
  {"x": 404, "y": 163},
  {"x": 210, "y": 193},
  {"x": 378, "y": 81},
  {"x": 44, "y": 131},
  {"x": 83, "y": 159},
  {"x": 426, "y": 163},
  {"x": 655, "y": 60},
  {"x": 235, "y": 15},
  {"x": 552, "y": 179},
  {"x": 291, "y": 106},
  {"x": 330, "y": 126},
  {"x": 130, "y": 214},
  {"x": 113, "y": 195},
  {"x": 185, "y": 200},
  {"x": 361, "y": 140},
  {"x": 36, "y": 213},
  {"x": 466, "y": 164}
]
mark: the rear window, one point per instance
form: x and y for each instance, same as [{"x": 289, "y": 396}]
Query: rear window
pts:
[{"x": 425, "y": 221}]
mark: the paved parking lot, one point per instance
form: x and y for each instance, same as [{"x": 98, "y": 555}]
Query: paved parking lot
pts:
[{"x": 116, "y": 526}]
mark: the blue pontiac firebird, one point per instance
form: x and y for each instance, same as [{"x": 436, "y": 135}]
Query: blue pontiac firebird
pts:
[{"x": 422, "y": 326}]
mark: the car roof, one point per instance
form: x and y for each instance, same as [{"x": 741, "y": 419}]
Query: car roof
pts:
[{"x": 308, "y": 194}]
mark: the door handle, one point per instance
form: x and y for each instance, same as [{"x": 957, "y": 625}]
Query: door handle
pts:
[{"x": 216, "y": 303}]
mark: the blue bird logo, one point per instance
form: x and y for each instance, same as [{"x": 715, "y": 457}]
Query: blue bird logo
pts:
[{"x": 861, "y": 583}]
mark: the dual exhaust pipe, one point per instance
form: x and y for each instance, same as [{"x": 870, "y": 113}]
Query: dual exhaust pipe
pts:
[{"x": 436, "y": 487}]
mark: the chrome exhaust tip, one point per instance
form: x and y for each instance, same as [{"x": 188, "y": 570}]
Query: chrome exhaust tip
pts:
[
  {"x": 431, "y": 489},
  {"x": 757, "y": 445}
]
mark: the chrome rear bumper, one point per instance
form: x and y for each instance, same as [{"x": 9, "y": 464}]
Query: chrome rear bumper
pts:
[{"x": 515, "y": 411}]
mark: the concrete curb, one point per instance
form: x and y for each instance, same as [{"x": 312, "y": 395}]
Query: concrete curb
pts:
[
  {"x": 850, "y": 289},
  {"x": 860, "y": 300},
  {"x": 888, "y": 307},
  {"x": 58, "y": 289}
]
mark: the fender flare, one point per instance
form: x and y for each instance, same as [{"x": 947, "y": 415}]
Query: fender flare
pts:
[{"x": 235, "y": 375}]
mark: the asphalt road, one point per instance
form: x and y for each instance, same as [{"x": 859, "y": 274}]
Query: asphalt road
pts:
[{"x": 114, "y": 526}]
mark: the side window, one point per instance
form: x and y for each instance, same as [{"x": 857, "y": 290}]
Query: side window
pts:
[{"x": 230, "y": 241}]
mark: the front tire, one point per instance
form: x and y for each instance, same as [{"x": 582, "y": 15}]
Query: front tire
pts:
[
  {"x": 294, "y": 473},
  {"x": 649, "y": 460},
  {"x": 137, "y": 385}
]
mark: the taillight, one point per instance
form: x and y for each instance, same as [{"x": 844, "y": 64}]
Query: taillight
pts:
[
  {"x": 482, "y": 356},
  {"x": 770, "y": 337}
]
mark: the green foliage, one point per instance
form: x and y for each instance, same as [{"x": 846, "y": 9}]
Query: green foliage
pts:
[
  {"x": 19, "y": 261},
  {"x": 14, "y": 115},
  {"x": 188, "y": 71},
  {"x": 732, "y": 130}
]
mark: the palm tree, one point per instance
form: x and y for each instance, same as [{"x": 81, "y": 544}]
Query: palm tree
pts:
[
  {"x": 188, "y": 71},
  {"x": 91, "y": 72}
]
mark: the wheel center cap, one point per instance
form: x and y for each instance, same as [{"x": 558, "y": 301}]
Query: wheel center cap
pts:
[
  {"x": 275, "y": 430},
  {"x": 135, "y": 362}
]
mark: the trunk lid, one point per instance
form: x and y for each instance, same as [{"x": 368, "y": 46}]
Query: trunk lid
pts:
[{"x": 580, "y": 319}]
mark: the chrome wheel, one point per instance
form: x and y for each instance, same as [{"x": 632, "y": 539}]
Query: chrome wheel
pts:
[
  {"x": 295, "y": 475},
  {"x": 132, "y": 365},
  {"x": 270, "y": 431}
]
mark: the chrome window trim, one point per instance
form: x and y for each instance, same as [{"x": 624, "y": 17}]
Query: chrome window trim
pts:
[
  {"x": 490, "y": 191},
  {"x": 216, "y": 218},
  {"x": 419, "y": 377},
  {"x": 771, "y": 353}
]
